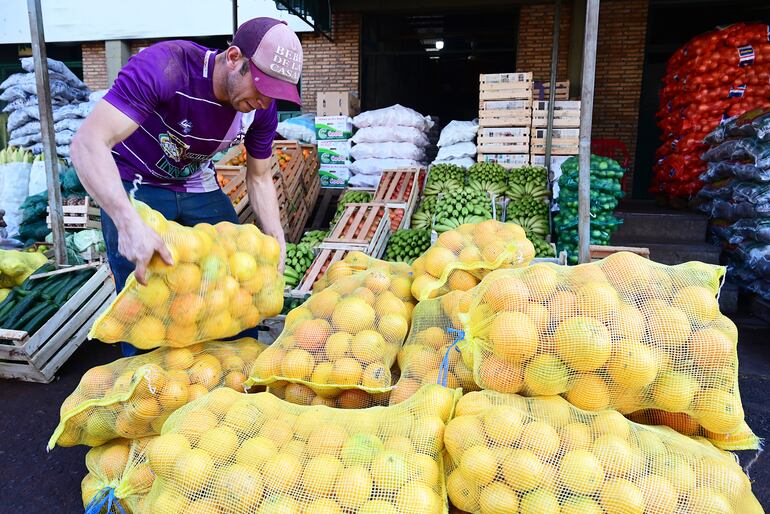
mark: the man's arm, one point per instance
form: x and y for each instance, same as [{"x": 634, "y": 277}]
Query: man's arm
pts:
[
  {"x": 264, "y": 200},
  {"x": 91, "y": 149}
]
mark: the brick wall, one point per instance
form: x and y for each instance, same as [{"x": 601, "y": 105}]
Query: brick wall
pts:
[
  {"x": 331, "y": 66},
  {"x": 619, "y": 62},
  {"x": 94, "y": 65}
]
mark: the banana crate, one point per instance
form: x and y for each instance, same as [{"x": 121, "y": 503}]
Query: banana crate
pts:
[
  {"x": 36, "y": 357},
  {"x": 362, "y": 226}
]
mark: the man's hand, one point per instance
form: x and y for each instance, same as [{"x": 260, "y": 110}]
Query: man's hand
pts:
[
  {"x": 137, "y": 242},
  {"x": 261, "y": 190}
]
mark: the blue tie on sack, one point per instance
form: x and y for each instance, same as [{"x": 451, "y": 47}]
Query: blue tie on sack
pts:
[
  {"x": 105, "y": 496},
  {"x": 443, "y": 370}
]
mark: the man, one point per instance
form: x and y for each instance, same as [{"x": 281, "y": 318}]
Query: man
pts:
[{"x": 172, "y": 107}]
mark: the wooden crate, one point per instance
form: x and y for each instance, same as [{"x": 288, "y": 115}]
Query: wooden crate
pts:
[
  {"x": 505, "y": 86},
  {"x": 505, "y": 113},
  {"x": 598, "y": 252},
  {"x": 543, "y": 90},
  {"x": 563, "y": 141},
  {"x": 362, "y": 226},
  {"x": 227, "y": 159},
  {"x": 309, "y": 172},
  {"x": 232, "y": 179},
  {"x": 505, "y": 160},
  {"x": 37, "y": 357},
  {"x": 498, "y": 140},
  {"x": 325, "y": 258},
  {"x": 291, "y": 173},
  {"x": 566, "y": 114},
  {"x": 311, "y": 193},
  {"x": 297, "y": 222},
  {"x": 398, "y": 187},
  {"x": 79, "y": 217}
]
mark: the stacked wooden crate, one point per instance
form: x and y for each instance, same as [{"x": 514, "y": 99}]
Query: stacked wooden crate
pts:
[
  {"x": 565, "y": 135},
  {"x": 399, "y": 190},
  {"x": 543, "y": 90},
  {"x": 505, "y": 118}
]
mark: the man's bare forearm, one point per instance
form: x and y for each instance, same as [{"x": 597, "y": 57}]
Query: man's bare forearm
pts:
[{"x": 264, "y": 201}]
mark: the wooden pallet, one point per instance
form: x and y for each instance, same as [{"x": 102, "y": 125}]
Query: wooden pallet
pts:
[
  {"x": 79, "y": 217},
  {"x": 37, "y": 357},
  {"x": 505, "y": 113},
  {"x": 498, "y": 140},
  {"x": 598, "y": 252},
  {"x": 563, "y": 141},
  {"x": 505, "y": 160},
  {"x": 505, "y": 86},
  {"x": 544, "y": 89},
  {"x": 362, "y": 226},
  {"x": 325, "y": 258},
  {"x": 566, "y": 114}
]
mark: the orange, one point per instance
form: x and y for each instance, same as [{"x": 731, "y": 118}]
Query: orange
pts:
[
  {"x": 389, "y": 303},
  {"x": 338, "y": 345},
  {"x": 451, "y": 240},
  {"x": 633, "y": 365},
  {"x": 498, "y": 498},
  {"x": 255, "y": 451},
  {"x": 239, "y": 487},
  {"x": 109, "y": 329},
  {"x": 463, "y": 493},
  {"x": 585, "y": 274},
  {"x": 401, "y": 287},
  {"x": 346, "y": 371},
  {"x": 583, "y": 343},
  {"x": 618, "y": 495},
  {"x": 598, "y": 300},
  {"x": 297, "y": 364},
  {"x": 416, "y": 498},
  {"x": 718, "y": 411},
  {"x": 698, "y": 303},
  {"x": 479, "y": 464},
  {"x": 184, "y": 278},
  {"x": 393, "y": 327},
  {"x": 503, "y": 424},
  {"x": 470, "y": 255},
  {"x": 326, "y": 439},
  {"x": 298, "y": 314},
  {"x": 539, "y": 501},
  {"x": 154, "y": 294},
  {"x": 575, "y": 435},
  {"x": 425, "y": 287},
  {"x": 188, "y": 244},
  {"x": 611, "y": 422},
  {"x": 617, "y": 456},
  {"x": 368, "y": 346},
  {"x": 540, "y": 438},
  {"x": 193, "y": 468},
  {"x": 186, "y": 309},
  {"x": 113, "y": 461},
  {"x": 298, "y": 394},
  {"x": 589, "y": 392},
  {"x": 353, "y": 487},
  {"x": 235, "y": 380},
  {"x": 354, "y": 399},
  {"x": 656, "y": 490},
  {"x": 220, "y": 443},
  {"x": 674, "y": 391},
  {"x": 494, "y": 252},
  {"x": 541, "y": 281},
  {"x": 353, "y": 315},
  {"x": 281, "y": 472},
  {"x": 507, "y": 293},
  {"x": 404, "y": 388},
  {"x": 377, "y": 281},
  {"x": 424, "y": 469},
  {"x": 545, "y": 375},
  {"x": 242, "y": 266},
  {"x": 628, "y": 323},
  {"x": 173, "y": 395},
  {"x": 376, "y": 376},
  {"x": 538, "y": 314},
  {"x": 389, "y": 471},
  {"x": 461, "y": 280},
  {"x": 499, "y": 375},
  {"x": 580, "y": 505},
  {"x": 437, "y": 259},
  {"x": 513, "y": 336},
  {"x": 712, "y": 348},
  {"x": 363, "y": 293},
  {"x": 206, "y": 371},
  {"x": 96, "y": 382},
  {"x": 311, "y": 334},
  {"x": 268, "y": 363},
  {"x": 213, "y": 268},
  {"x": 322, "y": 373},
  {"x": 270, "y": 251},
  {"x": 581, "y": 472},
  {"x": 320, "y": 475},
  {"x": 669, "y": 326},
  {"x": 433, "y": 337},
  {"x": 322, "y": 304},
  {"x": 562, "y": 305},
  {"x": 148, "y": 332},
  {"x": 522, "y": 470},
  {"x": 195, "y": 391},
  {"x": 240, "y": 303}
]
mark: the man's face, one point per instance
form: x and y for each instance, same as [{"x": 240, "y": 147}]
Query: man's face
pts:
[{"x": 243, "y": 95}]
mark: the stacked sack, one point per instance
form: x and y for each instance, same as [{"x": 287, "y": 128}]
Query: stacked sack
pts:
[
  {"x": 388, "y": 138},
  {"x": 456, "y": 144},
  {"x": 72, "y": 102},
  {"x": 719, "y": 74},
  {"x": 299, "y": 128},
  {"x": 15, "y": 168},
  {"x": 737, "y": 196},
  {"x": 606, "y": 177}
]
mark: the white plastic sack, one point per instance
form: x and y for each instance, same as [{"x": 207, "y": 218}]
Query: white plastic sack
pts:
[
  {"x": 72, "y": 124},
  {"x": 28, "y": 64},
  {"x": 13, "y": 192},
  {"x": 456, "y": 151},
  {"x": 396, "y": 134},
  {"x": 301, "y": 128},
  {"x": 365, "y": 180},
  {"x": 457, "y": 132},
  {"x": 37, "y": 181},
  {"x": 97, "y": 95},
  {"x": 377, "y": 166},
  {"x": 63, "y": 138},
  {"x": 387, "y": 150},
  {"x": 465, "y": 162},
  {"x": 33, "y": 127},
  {"x": 391, "y": 116}
]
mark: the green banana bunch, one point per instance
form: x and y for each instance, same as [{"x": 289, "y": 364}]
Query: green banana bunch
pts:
[
  {"x": 444, "y": 172},
  {"x": 542, "y": 247},
  {"x": 314, "y": 237},
  {"x": 299, "y": 257},
  {"x": 446, "y": 186},
  {"x": 350, "y": 197},
  {"x": 534, "y": 225},
  {"x": 14, "y": 154},
  {"x": 530, "y": 189},
  {"x": 525, "y": 174},
  {"x": 487, "y": 185},
  {"x": 405, "y": 245},
  {"x": 459, "y": 207},
  {"x": 488, "y": 171},
  {"x": 421, "y": 220}
]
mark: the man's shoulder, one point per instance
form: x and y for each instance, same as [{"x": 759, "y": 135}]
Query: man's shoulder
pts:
[{"x": 178, "y": 49}]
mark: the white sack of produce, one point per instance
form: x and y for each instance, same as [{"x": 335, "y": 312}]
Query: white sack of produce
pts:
[
  {"x": 465, "y": 162},
  {"x": 301, "y": 128},
  {"x": 377, "y": 166},
  {"x": 387, "y": 150},
  {"x": 15, "y": 166},
  {"x": 396, "y": 134},
  {"x": 457, "y": 132},
  {"x": 456, "y": 151},
  {"x": 362, "y": 180},
  {"x": 392, "y": 116}
]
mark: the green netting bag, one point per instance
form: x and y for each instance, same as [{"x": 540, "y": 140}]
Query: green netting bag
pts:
[
  {"x": 623, "y": 333},
  {"x": 239, "y": 453},
  {"x": 507, "y": 453},
  {"x": 133, "y": 396}
]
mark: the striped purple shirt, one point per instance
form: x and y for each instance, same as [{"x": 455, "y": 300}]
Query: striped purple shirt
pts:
[{"x": 168, "y": 90}]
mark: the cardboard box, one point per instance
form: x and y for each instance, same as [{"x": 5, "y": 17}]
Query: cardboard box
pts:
[
  {"x": 333, "y": 127},
  {"x": 334, "y": 175},
  {"x": 334, "y": 152},
  {"x": 341, "y": 103}
]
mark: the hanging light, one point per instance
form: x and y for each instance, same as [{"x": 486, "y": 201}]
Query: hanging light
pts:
[{"x": 439, "y": 44}]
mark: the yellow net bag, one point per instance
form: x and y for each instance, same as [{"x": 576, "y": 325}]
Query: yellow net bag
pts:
[
  {"x": 355, "y": 262},
  {"x": 624, "y": 333},
  {"x": 133, "y": 396},
  {"x": 460, "y": 258},
  {"x": 345, "y": 336},
  {"x": 429, "y": 355},
  {"x": 239, "y": 453},
  {"x": 506, "y": 453},
  {"x": 118, "y": 478},
  {"x": 224, "y": 280},
  {"x": 17, "y": 266},
  {"x": 300, "y": 394}
]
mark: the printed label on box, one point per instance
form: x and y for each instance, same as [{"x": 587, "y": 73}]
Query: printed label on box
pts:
[
  {"x": 333, "y": 127},
  {"x": 334, "y": 152},
  {"x": 334, "y": 175}
]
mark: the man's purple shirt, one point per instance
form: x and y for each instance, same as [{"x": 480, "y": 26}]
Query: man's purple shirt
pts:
[{"x": 168, "y": 90}]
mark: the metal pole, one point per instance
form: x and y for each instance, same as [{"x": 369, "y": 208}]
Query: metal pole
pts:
[
  {"x": 46, "y": 126},
  {"x": 586, "y": 119},
  {"x": 551, "y": 102},
  {"x": 235, "y": 16}
]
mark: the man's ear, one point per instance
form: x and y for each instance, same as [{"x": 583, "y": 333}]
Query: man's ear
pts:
[{"x": 233, "y": 56}]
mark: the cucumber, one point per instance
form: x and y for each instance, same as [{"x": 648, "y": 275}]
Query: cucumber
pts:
[
  {"x": 50, "y": 291},
  {"x": 20, "y": 309},
  {"x": 72, "y": 286},
  {"x": 8, "y": 303},
  {"x": 42, "y": 316},
  {"x": 31, "y": 313},
  {"x": 45, "y": 268}
]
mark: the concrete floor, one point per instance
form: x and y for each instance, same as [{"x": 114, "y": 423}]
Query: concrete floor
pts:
[{"x": 40, "y": 482}]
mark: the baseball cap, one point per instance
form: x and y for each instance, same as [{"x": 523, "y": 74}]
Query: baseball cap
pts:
[{"x": 275, "y": 57}]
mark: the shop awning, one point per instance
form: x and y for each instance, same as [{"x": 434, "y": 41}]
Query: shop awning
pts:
[{"x": 316, "y": 13}]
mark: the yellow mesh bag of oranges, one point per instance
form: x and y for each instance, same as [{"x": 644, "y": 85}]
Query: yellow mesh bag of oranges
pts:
[
  {"x": 300, "y": 394},
  {"x": 429, "y": 355},
  {"x": 355, "y": 262},
  {"x": 506, "y": 453},
  {"x": 460, "y": 258},
  {"x": 254, "y": 453},
  {"x": 118, "y": 477},
  {"x": 345, "y": 336},
  {"x": 623, "y": 333},
  {"x": 224, "y": 280},
  {"x": 133, "y": 396}
]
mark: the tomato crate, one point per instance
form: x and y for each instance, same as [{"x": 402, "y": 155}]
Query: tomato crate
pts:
[
  {"x": 505, "y": 113},
  {"x": 398, "y": 187},
  {"x": 566, "y": 114},
  {"x": 399, "y": 217},
  {"x": 325, "y": 258},
  {"x": 505, "y": 86},
  {"x": 362, "y": 226},
  {"x": 79, "y": 216},
  {"x": 503, "y": 140},
  {"x": 563, "y": 141},
  {"x": 287, "y": 162},
  {"x": 37, "y": 357}
]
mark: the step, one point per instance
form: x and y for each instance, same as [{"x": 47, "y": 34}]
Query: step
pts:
[
  {"x": 728, "y": 298},
  {"x": 661, "y": 226},
  {"x": 675, "y": 253}
]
